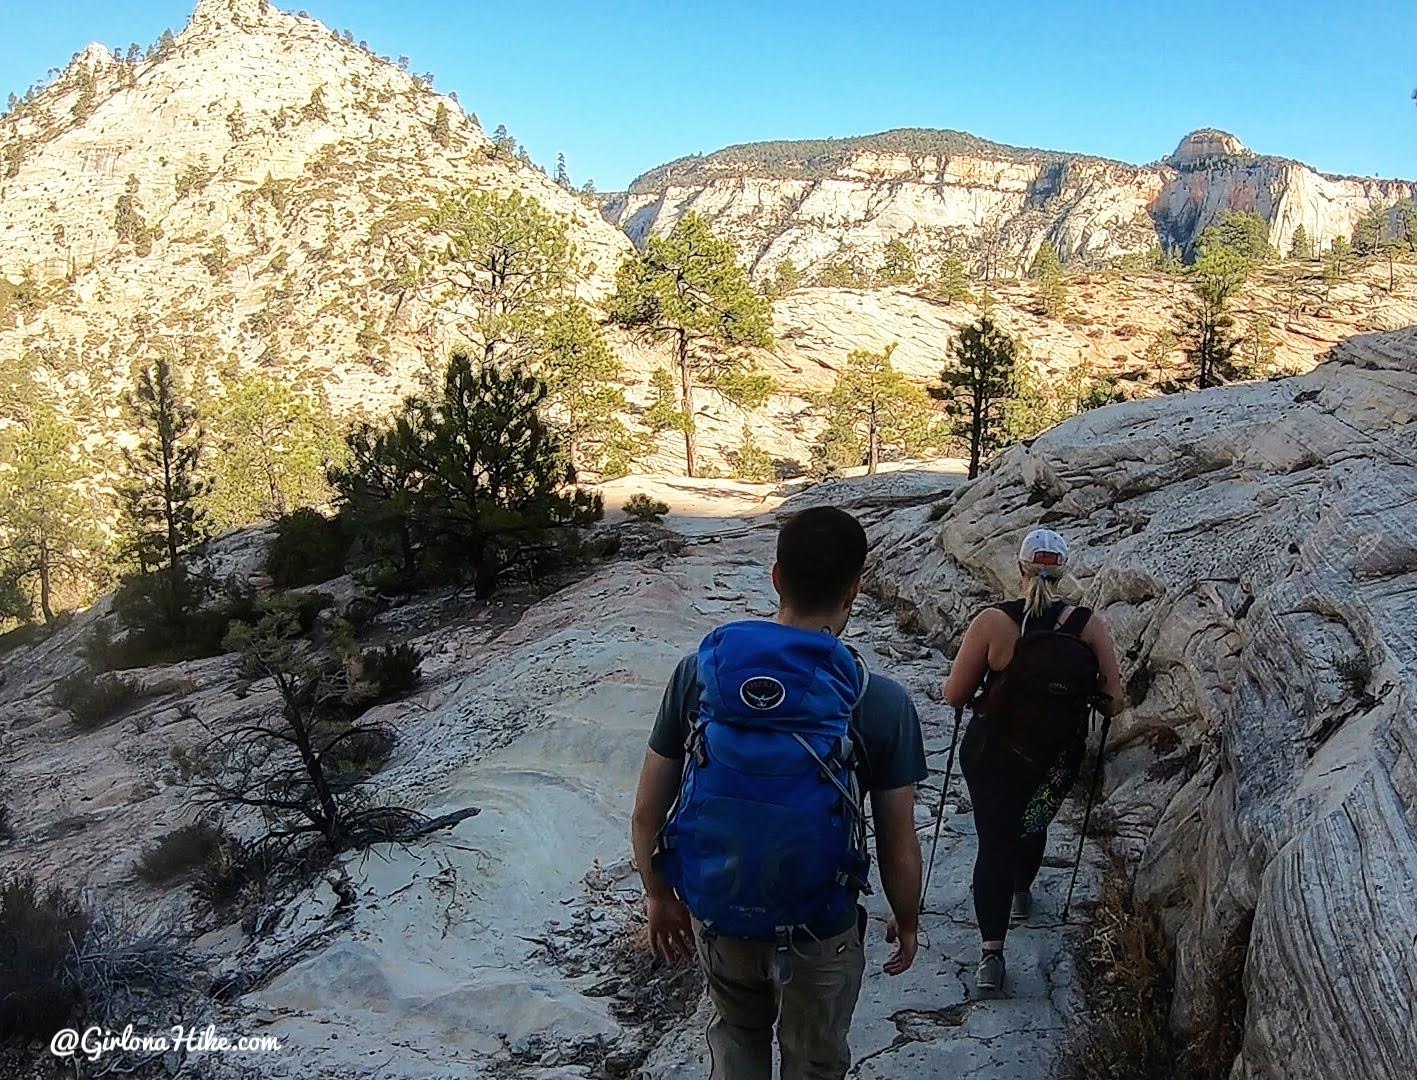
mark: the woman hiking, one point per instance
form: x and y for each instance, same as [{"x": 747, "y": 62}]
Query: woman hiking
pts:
[{"x": 1038, "y": 664}]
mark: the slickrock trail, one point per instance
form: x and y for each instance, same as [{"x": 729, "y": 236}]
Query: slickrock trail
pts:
[{"x": 505, "y": 944}]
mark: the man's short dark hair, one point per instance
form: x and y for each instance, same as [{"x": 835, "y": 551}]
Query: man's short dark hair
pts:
[{"x": 820, "y": 553}]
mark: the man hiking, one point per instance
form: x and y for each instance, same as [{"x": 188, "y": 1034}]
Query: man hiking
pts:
[
  {"x": 749, "y": 827},
  {"x": 1040, "y": 664}
]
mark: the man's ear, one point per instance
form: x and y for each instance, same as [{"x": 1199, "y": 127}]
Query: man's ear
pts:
[{"x": 777, "y": 578}]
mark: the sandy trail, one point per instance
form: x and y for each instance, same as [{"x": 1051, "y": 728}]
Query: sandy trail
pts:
[{"x": 474, "y": 950}]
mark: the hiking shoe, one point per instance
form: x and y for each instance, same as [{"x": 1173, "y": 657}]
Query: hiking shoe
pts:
[
  {"x": 990, "y": 974},
  {"x": 1022, "y": 908}
]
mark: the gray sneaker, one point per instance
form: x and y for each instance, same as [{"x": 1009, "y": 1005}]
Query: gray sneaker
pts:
[
  {"x": 1022, "y": 908},
  {"x": 990, "y": 974}
]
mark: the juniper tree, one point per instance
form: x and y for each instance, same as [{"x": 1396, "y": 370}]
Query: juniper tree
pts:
[
  {"x": 977, "y": 379},
  {"x": 1301, "y": 247},
  {"x": 873, "y": 409},
  {"x": 688, "y": 289}
]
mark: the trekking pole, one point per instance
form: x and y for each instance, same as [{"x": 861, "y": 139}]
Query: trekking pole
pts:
[
  {"x": 1087, "y": 813},
  {"x": 940, "y": 809}
]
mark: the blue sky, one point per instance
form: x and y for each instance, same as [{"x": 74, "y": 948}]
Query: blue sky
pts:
[{"x": 621, "y": 87}]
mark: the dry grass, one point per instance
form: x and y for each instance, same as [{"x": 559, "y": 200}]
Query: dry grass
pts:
[{"x": 1124, "y": 1032}]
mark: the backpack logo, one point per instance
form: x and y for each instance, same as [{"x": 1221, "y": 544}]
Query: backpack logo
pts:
[{"x": 762, "y": 692}]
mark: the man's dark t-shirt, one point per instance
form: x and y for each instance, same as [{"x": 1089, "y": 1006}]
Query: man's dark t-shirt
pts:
[{"x": 887, "y": 728}]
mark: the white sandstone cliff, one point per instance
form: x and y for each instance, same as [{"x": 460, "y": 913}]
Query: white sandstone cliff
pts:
[
  {"x": 1253, "y": 550},
  {"x": 842, "y": 198}
]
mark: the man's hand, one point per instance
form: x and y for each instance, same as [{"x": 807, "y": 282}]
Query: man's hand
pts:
[
  {"x": 905, "y": 948},
  {"x": 671, "y": 934}
]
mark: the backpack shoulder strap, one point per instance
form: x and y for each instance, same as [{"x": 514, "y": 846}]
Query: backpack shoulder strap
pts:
[
  {"x": 1076, "y": 622},
  {"x": 1047, "y": 621},
  {"x": 1014, "y": 609}
]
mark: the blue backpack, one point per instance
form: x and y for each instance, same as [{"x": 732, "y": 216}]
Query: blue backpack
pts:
[{"x": 767, "y": 835}]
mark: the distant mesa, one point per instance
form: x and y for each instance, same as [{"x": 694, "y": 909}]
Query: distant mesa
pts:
[{"x": 1206, "y": 144}]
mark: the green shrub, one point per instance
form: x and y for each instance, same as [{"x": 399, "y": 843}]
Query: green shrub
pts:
[
  {"x": 229, "y": 868},
  {"x": 644, "y": 508},
  {"x": 387, "y": 673},
  {"x": 39, "y": 930},
  {"x": 181, "y": 850},
  {"x": 355, "y": 758},
  {"x": 309, "y": 548},
  {"x": 155, "y": 637},
  {"x": 93, "y": 700}
]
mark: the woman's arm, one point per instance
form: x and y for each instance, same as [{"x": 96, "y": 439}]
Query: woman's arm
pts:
[
  {"x": 1099, "y": 637},
  {"x": 971, "y": 662}
]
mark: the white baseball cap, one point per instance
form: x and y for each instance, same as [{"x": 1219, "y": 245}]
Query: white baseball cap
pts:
[{"x": 1045, "y": 549}]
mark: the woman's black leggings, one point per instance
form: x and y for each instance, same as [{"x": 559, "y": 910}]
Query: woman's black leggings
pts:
[{"x": 1007, "y": 862}]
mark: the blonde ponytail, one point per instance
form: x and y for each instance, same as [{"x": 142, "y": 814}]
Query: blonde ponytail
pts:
[{"x": 1040, "y": 590}]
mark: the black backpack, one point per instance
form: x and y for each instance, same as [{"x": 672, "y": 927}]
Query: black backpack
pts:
[{"x": 1038, "y": 706}]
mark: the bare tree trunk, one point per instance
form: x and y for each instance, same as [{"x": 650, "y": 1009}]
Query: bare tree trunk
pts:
[
  {"x": 45, "y": 603},
  {"x": 295, "y": 716},
  {"x": 873, "y": 444},
  {"x": 686, "y": 403}
]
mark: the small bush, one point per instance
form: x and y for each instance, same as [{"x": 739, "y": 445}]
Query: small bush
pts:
[
  {"x": 39, "y": 929},
  {"x": 309, "y": 548},
  {"x": 93, "y": 700},
  {"x": 386, "y": 674},
  {"x": 181, "y": 850},
  {"x": 231, "y": 866},
  {"x": 644, "y": 508},
  {"x": 355, "y": 758}
]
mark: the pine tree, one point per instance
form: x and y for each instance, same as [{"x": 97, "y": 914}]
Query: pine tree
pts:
[
  {"x": 442, "y": 125},
  {"x": 1301, "y": 248},
  {"x": 1239, "y": 231},
  {"x": 128, "y": 220},
  {"x": 563, "y": 177},
  {"x": 503, "y": 143},
  {"x": 1370, "y": 234},
  {"x": 785, "y": 278},
  {"x": 750, "y": 461},
  {"x": 687, "y": 288},
  {"x": 163, "y": 492},
  {"x": 504, "y": 261},
  {"x": 872, "y": 410},
  {"x": 1047, "y": 270},
  {"x": 581, "y": 374},
  {"x": 1257, "y": 347},
  {"x": 1205, "y": 325},
  {"x": 49, "y": 538},
  {"x": 270, "y": 450},
  {"x": 1339, "y": 252},
  {"x": 953, "y": 279},
  {"x": 898, "y": 266},
  {"x": 977, "y": 379}
]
